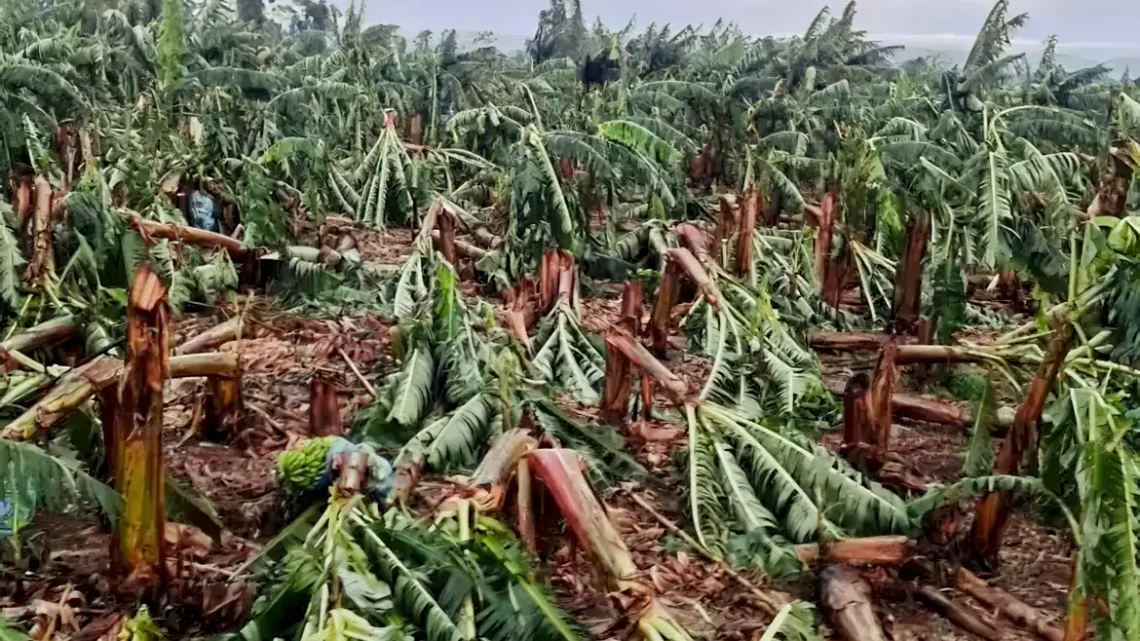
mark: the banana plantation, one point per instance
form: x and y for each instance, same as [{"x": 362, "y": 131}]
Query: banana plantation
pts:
[{"x": 316, "y": 330}]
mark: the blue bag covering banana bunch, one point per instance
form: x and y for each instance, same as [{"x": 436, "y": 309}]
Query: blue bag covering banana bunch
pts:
[{"x": 310, "y": 466}]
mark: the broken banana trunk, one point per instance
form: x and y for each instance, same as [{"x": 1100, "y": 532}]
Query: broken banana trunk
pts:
[
  {"x": 908, "y": 276},
  {"x": 667, "y": 290},
  {"x": 22, "y": 202},
  {"x": 324, "y": 412},
  {"x": 857, "y": 411},
  {"x": 41, "y": 268},
  {"x": 1009, "y": 606},
  {"x": 491, "y": 479},
  {"x": 871, "y": 551},
  {"x": 882, "y": 390},
  {"x": 56, "y": 330},
  {"x": 632, "y": 294},
  {"x": 958, "y": 614},
  {"x": 749, "y": 215},
  {"x": 692, "y": 238},
  {"x": 621, "y": 342},
  {"x": 847, "y": 598},
  {"x": 81, "y": 383},
  {"x": 825, "y": 223},
  {"x": 138, "y": 553},
  {"x": 445, "y": 222},
  {"x": 561, "y": 472},
  {"x": 729, "y": 215},
  {"x": 994, "y": 508},
  {"x": 224, "y": 409},
  {"x": 191, "y": 236},
  {"x": 618, "y": 385},
  {"x": 679, "y": 261}
]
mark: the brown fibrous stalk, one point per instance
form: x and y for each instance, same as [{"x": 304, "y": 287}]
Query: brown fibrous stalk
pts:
[
  {"x": 140, "y": 477},
  {"x": 324, "y": 411}
]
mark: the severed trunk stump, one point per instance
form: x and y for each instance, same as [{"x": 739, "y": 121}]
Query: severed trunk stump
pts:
[
  {"x": 667, "y": 290},
  {"x": 882, "y": 389},
  {"x": 618, "y": 385},
  {"x": 825, "y": 223},
  {"x": 632, "y": 294},
  {"x": 41, "y": 268},
  {"x": 324, "y": 411},
  {"x": 749, "y": 214},
  {"x": 138, "y": 545},
  {"x": 446, "y": 244},
  {"x": 908, "y": 276},
  {"x": 224, "y": 410},
  {"x": 857, "y": 410}
]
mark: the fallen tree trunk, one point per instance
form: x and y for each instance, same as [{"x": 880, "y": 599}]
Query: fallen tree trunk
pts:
[
  {"x": 908, "y": 351},
  {"x": 501, "y": 460},
  {"x": 212, "y": 338},
  {"x": 960, "y": 615},
  {"x": 80, "y": 384},
  {"x": 848, "y": 341},
  {"x": 138, "y": 548},
  {"x": 1008, "y": 605},
  {"x": 45, "y": 334},
  {"x": 929, "y": 410},
  {"x": 875, "y": 550},
  {"x": 692, "y": 267},
  {"x": 909, "y": 354},
  {"x": 463, "y": 247},
  {"x": 488, "y": 484},
  {"x": 847, "y": 598},
  {"x": 190, "y": 236}
]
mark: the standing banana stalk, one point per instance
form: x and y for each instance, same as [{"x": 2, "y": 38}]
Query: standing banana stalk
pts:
[
  {"x": 138, "y": 552},
  {"x": 41, "y": 269},
  {"x": 750, "y": 213}
]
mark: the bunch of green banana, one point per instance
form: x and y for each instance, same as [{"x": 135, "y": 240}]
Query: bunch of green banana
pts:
[{"x": 304, "y": 466}]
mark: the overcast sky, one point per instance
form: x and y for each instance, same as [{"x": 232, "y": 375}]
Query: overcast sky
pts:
[{"x": 1085, "y": 24}]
